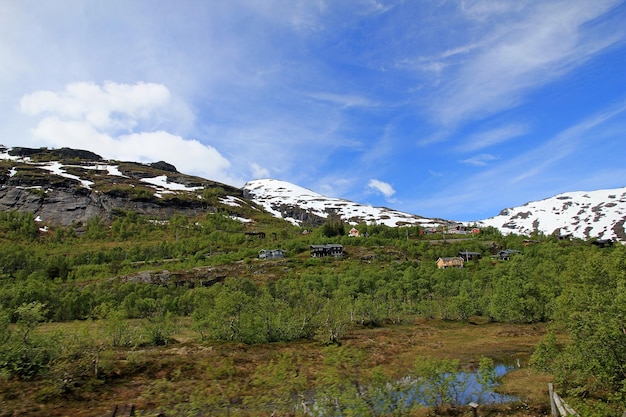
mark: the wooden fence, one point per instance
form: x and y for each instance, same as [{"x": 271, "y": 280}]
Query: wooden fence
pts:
[{"x": 558, "y": 407}]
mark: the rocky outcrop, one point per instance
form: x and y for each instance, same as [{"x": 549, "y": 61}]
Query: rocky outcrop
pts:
[
  {"x": 300, "y": 215},
  {"x": 196, "y": 277},
  {"x": 163, "y": 166},
  {"x": 81, "y": 186},
  {"x": 67, "y": 206},
  {"x": 55, "y": 154}
]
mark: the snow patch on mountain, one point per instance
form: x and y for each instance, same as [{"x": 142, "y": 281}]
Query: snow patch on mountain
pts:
[
  {"x": 58, "y": 169},
  {"x": 582, "y": 214},
  {"x": 298, "y": 205},
  {"x": 162, "y": 181}
]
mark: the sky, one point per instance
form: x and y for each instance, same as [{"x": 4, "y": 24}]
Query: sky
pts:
[{"x": 449, "y": 109}]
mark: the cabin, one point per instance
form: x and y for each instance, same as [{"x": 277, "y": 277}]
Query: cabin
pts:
[
  {"x": 470, "y": 256},
  {"x": 602, "y": 243},
  {"x": 454, "y": 262},
  {"x": 271, "y": 253},
  {"x": 260, "y": 235},
  {"x": 459, "y": 229},
  {"x": 320, "y": 251},
  {"x": 506, "y": 254},
  {"x": 353, "y": 232}
]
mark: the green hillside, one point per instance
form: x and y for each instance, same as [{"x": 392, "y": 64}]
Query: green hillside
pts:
[{"x": 182, "y": 317}]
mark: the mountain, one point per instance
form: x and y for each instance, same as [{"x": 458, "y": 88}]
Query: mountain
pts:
[
  {"x": 582, "y": 214},
  {"x": 592, "y": 214},
  {"x": 302, "y": 206},
  {"x": 69, "y": 186}
]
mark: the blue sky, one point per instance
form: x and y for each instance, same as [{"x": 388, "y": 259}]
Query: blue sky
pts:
[{"x": 451, "y": 109}]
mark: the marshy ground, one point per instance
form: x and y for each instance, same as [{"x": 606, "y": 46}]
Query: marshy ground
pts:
[{"x": 225, "y": 376}]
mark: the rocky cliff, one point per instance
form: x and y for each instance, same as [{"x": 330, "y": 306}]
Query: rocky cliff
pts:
[{"x": 66, "y": 186}]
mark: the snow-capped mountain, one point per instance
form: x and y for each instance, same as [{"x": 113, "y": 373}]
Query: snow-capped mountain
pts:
[
  {"x": 582, "y": 214},
  {"x": 300, "y": 206},
  {"x": 66, "y": 186}
]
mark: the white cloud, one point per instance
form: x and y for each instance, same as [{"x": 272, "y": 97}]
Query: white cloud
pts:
[
  {"x": 479, "y": 160},
  {"x": 382, "y": 187},
  {"x": 188, "y": 155},
  {"x": 111, "y": 105},
  {"x": 89, "y": 116}
]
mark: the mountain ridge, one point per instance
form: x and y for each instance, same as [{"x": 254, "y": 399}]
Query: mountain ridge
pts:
[
  {"x": 66, "y": 186},
  {"x": 298, "y": 204},
  {"x": 582, "y": 214},
  {"x": 586, "y": 215}
]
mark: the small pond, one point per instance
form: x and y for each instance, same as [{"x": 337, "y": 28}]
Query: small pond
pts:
[
  {"x": 460, "y": 388},
  {"x": 464, "y": 389},
  {"x": 469, "y": 389}
]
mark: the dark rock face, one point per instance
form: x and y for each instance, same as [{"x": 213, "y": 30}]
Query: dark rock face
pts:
[
  {"x": 163, "y": 166},
  {"x": 305, "y": 217},
  {"x": 66, "y": 206},
  {"x": 56, "y": 206},
  {"x": 64, "y": 187}
]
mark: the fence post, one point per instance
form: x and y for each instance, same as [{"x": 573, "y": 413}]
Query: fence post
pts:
[
  {"x": 552, "y": 403},
  {"x": 474, "y": 409}
]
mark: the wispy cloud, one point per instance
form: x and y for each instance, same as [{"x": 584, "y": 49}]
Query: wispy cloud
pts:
[
  {"x": 479, "y": 160},
  {"x": 540, "y": 171},
  {"x": 344, "y": 100},
  {"x": 571, "y": 140},
  {"x": 493, "y": 137},
  {"x": 482, "y": 10},
  {"x": 545, "y": 43}
]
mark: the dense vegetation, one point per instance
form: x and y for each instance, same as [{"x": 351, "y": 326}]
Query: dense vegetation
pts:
[{"x": 211, "y": 282}]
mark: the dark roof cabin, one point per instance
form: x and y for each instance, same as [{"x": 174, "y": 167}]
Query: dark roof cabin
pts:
[
  {"x": 506, "y": 254},
  {"x": 271, "y": 253},
  {"x": 601, "y": 243},
  {"x": 318, "y": 251},
  {"x": 470, "y": 256}
]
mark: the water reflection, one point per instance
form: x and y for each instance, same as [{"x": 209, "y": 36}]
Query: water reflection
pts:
[
  {"x": 475, "y": 392},
  {"x": 467, "y": 388},
  {"x": 398, "y": 397}
]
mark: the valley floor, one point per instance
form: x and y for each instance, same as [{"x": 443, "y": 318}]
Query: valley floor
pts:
[{"x": 227, "y": 379}]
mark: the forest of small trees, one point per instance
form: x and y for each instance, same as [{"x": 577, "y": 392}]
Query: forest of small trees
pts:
[{"x": 72, "y": 274}]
